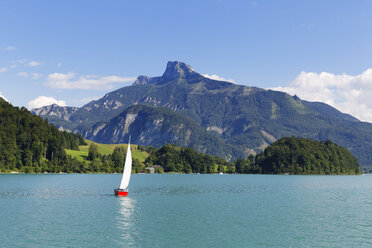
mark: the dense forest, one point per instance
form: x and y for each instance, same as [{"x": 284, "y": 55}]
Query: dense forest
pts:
[
  {"x": 306, "y": 156},
  {"x": 29, "y": 144}
]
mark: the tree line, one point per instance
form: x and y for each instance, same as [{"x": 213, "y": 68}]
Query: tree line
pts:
[{"x": 288, "y": 155}]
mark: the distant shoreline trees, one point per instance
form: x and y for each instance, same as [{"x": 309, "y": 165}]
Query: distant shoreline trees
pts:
[{"x": 285, "y": 156}]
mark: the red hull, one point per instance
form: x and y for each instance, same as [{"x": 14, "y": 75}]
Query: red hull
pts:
[{"x": 120, "y": 192}]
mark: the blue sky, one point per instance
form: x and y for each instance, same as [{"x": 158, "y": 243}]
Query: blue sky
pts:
[{"x": 75, "y": 51}]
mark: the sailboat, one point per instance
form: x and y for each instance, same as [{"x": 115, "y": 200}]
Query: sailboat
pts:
[{"x": 123, "y": 188}]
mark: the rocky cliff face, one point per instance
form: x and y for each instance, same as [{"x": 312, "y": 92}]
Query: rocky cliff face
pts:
[
  {"x": 142, "y": 80},
  {"x": 64, "y": 113},
  {"x": 176, "y": 69},
  {"x": 159, "y": 126}
]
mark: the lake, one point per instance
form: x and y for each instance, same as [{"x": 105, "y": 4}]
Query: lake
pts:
[{"x": 74, "y": 210}]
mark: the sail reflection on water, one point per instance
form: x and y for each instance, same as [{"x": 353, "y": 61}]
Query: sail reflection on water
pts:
[{"x": 125, "y": 221}]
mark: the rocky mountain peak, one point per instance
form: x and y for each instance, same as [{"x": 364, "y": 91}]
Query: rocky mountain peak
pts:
[
  {"x": 142, "y": 80},
  {"x": 177, "y": 69},
  {"x": 174, "y": 70}
]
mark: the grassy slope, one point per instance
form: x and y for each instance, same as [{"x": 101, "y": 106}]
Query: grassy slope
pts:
[{"x": 105, "y": 149}]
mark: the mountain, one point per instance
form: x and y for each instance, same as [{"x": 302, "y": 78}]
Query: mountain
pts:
[
  {"x": 246, "y": 117},
  {"x": 159, "y": 126},
  {"x": 57, "y": 111}
]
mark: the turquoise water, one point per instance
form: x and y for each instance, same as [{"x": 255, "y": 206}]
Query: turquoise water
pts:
[{"x": 186, "y": 211}]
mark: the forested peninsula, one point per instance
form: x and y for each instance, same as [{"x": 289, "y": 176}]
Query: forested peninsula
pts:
[
  {"x": 306, "y": 156},
  {"x": 30, "y": 144},
  {"x": 286, "y": 156}
]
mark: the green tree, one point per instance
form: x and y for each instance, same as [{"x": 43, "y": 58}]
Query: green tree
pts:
[
  {"x": 118, "y": 157},
  {"x": 93, "y": 152}
]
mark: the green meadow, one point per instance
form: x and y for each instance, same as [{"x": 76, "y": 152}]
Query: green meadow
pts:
[{"x": 105, "y": 149}]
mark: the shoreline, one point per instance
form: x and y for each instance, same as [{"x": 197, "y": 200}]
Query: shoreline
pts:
[{"x": 170, "y": 173}]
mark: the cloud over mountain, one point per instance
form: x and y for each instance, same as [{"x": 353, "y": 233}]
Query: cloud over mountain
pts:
[
  {"x": 216, "y": 77},
  {"x": 44, "y": 101},
  {"x": 348, "y": 93},
  {"x": 70, "y": 80}
]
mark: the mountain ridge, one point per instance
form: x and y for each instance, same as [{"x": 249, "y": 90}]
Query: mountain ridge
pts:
[{"x": 248, "y": 117}]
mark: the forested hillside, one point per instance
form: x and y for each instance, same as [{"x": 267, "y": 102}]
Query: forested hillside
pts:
[
  {"x": 30, "y": 144},
  {"x": 305, "y": 156}
]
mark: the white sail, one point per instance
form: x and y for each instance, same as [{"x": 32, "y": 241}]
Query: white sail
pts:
[{"x": 127, "y": 169}]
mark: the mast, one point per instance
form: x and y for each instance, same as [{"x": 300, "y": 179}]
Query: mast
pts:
[{"x": 127, "y": 169}]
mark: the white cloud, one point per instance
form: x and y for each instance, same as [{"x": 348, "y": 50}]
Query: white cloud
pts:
[
  {"x": 44, "y": 101},
  {"x": 23, "y": 74},
  {"x": 59, "y": 64},
  {"x": 33, "y": 63},
  {"x": 33, "y": 75},
  {"x": 71, "y": 81},
  {"x": 21, "y": 61},
  {"x": 17, "y": 63},
  {"x": 216, "y": 77},
  {"x": 84, "y": 100},
  {"x": 10, "y": 48},
  {"x": 2, "y": 96},
  {"x": 36, "y": 75},
  {"x": 349, "y": 94}
]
